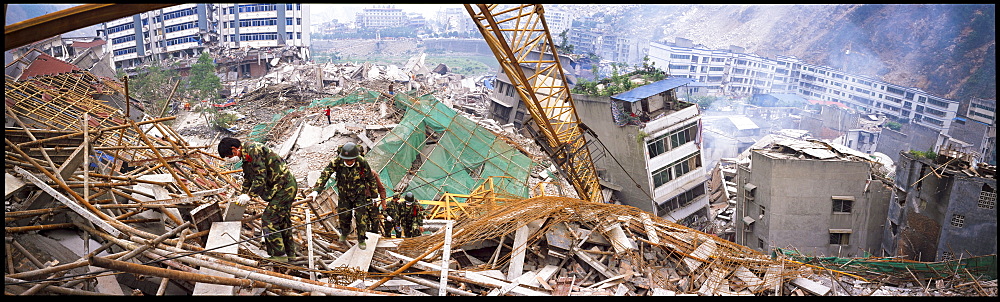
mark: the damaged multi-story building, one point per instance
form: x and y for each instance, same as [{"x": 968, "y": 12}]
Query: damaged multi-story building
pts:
[
  {"x": 818, "y": 198},
  {"x": 247, "y": 39},
  {"x": 942, "y": 208},
  {"x": 653, "y": 149}
]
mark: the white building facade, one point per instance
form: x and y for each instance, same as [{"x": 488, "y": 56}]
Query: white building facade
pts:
[
  {"x": 381, "y": 16},
  {"x": 675, "y": 165},
  {"x": 743, "y": 74},
  {"x": 186, "y": 30}
]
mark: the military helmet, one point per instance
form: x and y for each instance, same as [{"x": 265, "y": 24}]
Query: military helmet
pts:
[
  {"x": 349, "y": 151},
  {"x": 409, "y": 197}
]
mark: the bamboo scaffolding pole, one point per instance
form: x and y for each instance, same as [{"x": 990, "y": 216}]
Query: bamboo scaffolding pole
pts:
[
  {"x": 57, "y": 289},
  {"x": 282, "y": 280},
  {"x": 97, "y": 132},
  {"x": 165, "y": 281},
  {"x": 33, "y": 138},
  {"x": 173, "y": 274},
  {"x": 162, "y": 161},
  {"x": 38, "y": 287},
  {"x": 411, "y": 263},
  {"x": 427, "y": 283}
]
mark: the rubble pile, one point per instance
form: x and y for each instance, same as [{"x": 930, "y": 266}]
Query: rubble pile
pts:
[{"x": 147, "y": 213}]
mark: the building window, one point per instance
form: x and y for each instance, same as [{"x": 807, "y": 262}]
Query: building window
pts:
[
  {"x": 987, "y": 198},
  {"x": 501, "y": 111},
  {"x": 681, "y": 200},
  {"x": 666, "y": 142},
  {"x": 840, "y": 238},
  {"x": 842, "y": 204},
  {"x": 760, "y": 243},
  {"x": 957, "y": 220}
]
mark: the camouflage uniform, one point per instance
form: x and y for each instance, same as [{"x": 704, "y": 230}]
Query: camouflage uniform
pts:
[
  {"x": 266, "y": 175},
  {"x": 356, "y": 186},
  {"x": 394, "y": 209},
  {"x": 411, "y": 218}
]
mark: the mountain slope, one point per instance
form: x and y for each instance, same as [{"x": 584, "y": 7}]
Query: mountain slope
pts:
[{"x": 944, "y": 49}]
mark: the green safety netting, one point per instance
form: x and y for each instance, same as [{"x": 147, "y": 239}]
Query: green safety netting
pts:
[
  {"x": 985, "y": 266},
  {"x": 459, "y": 156},
  {"x": 259, "y": 132}
]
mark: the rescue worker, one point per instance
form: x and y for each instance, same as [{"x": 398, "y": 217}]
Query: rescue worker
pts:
[
  {"x": 412, "y": 216},
  {"x": 357, "y": 187},
  {"x": 265, "y": 175},
  {"x": 392, "y": 212}
]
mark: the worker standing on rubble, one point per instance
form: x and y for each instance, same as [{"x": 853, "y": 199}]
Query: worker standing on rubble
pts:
[
  {"x": 356, "y": 186},
  {"x": 393, "y": 209},
  {"x": 327, "y": 113},
  {"x": 411, "y": 216},
  {"x": 266, "y": 175}
]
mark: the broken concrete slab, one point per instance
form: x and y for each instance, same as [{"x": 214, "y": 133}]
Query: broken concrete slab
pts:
[
  {"x": 358, "y": 258},
  {"x": 810, "y": 286},
  {"x": 222, "y": 238},
  {"x": 11, "y": 184}
]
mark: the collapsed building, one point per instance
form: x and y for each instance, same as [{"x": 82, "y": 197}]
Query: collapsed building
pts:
[{"x": 100, "y": 204}]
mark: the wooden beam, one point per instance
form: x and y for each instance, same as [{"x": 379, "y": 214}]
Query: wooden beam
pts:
[
  {"x": 67, "y": 20},
  {"x": 69, "y": 203}
]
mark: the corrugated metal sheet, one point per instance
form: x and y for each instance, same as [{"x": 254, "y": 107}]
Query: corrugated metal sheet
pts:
[{"x": 648, "y": 90}]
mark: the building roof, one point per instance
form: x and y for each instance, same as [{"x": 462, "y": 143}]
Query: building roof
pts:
[
  {"x": 45, "y": 64},
  {"x": 96, "y": 42},
  {"x": 651, "y": 89},
  {"x": 788, "y": 97},
  {"x": 827, "y": 103},
  {"x": 742, "y": 122}
]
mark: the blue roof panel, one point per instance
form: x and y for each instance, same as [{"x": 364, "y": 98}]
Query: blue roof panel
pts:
[{"x": 651, "y": 89}]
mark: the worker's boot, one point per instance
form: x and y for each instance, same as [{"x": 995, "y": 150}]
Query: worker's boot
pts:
[
  {"x": 362, "y": 245},
  {"x": 343, "y": 238},
  {"x": 279, "y": 258}
]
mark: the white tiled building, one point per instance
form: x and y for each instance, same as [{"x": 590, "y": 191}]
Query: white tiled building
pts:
[
  {"x": 738, "y": 73},
  {"x": 381, "y": 16},
  {"x": 185, "y": 30}
]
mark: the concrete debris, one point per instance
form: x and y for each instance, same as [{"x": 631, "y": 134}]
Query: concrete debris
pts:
[{"x": 155, "y": 218}]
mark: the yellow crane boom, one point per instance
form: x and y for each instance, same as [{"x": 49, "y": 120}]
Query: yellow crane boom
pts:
[{"x": 520, "y": 39}]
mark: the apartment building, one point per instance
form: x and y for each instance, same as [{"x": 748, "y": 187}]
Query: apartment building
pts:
[
  {"x": 653, "y": 149},
  {"x": 381, "y": 16},
  {"x": 612, "y": 46},
  {"x": 983, "y": 110},
  {"x": 742, "y": 74},
  {"x": 558, "y": 21},
  {"x": 455, "y": 19},
  {"x": 264, "y": 25},
  {"x": 941, "y": 209},
  {"x": 506, "y": 106},
  {"x": 186, "y": 30},
  {"x": 822, "y": 199}
]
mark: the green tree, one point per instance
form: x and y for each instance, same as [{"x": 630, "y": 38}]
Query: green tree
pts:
[
  {"x": 203, "y": 82},
  {"x": 153, "y": 85},
  {"x": 893, "y": 125},
  {"x": 564, "y": 46}
]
